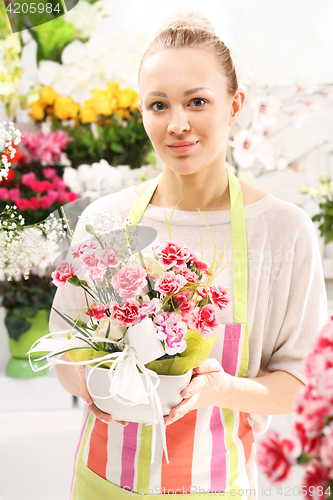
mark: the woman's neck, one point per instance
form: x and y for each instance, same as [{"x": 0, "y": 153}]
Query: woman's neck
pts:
[{"x": 205, "y": 190}]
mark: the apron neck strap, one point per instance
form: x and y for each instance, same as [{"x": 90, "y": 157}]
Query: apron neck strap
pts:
[{"x": 238, "y": 235}]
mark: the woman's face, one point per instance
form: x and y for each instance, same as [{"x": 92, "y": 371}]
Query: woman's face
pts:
[{"x": 183, "y": 100}]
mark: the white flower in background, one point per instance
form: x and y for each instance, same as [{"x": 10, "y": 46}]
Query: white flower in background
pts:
[
  {"x": 89, "y": 179},
  {"x": 323, "y": 189},
  {"x": 312, "y": 192},
  {"x": 86, "y": 17},
  {"x": 11, "y": 71},
  {"x": 271, "y": 157},
  {"x": 265, "y": 110},
  {"x": 48, "y": 72},
  {"x": 298, "y": 117},
  {"x": 245, "y": 144},
  {"x": 325, "y": 177}
]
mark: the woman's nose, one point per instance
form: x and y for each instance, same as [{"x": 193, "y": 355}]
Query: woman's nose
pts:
[{"x": 178, "y": 122}]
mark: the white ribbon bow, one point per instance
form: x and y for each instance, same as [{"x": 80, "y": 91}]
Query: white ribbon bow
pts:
[{"x": 126, "y": 385}]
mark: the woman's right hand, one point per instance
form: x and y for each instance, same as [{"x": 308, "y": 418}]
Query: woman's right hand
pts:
[{"x": 84, "y": 393}]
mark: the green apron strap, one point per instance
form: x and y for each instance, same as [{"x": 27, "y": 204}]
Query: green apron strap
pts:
[
  {"x": 239, "y": 250},
  {"x": 143, "y": 202}
]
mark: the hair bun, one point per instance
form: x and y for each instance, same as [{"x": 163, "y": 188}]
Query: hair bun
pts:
[{"x": 187, "y": 19}]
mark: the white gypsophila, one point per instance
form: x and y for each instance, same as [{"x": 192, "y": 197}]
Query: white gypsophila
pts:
[
  {"x": 271, "y": 157},
  {"x": 89, "y": 179},
  {"x": 245, "y": 146}
]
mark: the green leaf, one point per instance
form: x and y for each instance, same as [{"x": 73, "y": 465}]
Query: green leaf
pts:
[{"x": 16, "y": 326}]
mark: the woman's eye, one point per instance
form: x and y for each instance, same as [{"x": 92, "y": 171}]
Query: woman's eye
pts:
[
  {"x": 197, "y": 101},
  {"x": 159, "y": 106}
]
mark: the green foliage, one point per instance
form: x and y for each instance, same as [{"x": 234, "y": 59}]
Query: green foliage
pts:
[
  {"x": 119, "y": 142},
  {"x": 325, "y": 218},
  {"x": 52, "y": 40},
  {"x": 23, "y": 299}
]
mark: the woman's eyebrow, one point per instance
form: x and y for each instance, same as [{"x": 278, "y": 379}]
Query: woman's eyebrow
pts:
[{"x": 188, "y": 92}]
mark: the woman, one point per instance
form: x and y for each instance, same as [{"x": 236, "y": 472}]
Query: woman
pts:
[{"x": 189, "y": 97}]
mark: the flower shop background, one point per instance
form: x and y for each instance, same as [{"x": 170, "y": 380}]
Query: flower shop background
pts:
[{"x": 283, "y": 54}]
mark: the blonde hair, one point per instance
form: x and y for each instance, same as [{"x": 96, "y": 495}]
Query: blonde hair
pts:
[{"x": 191, "y": 29}]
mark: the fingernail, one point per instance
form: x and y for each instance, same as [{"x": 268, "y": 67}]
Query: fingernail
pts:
[
  {"x": 168, "y": 422},
  {"x": 104, "y": 421},
  {"x": 84, "y": 400},
  {"x": 187, "y": 395}
]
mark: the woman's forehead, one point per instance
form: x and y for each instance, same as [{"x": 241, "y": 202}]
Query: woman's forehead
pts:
[{"x": 181, "y": 68}]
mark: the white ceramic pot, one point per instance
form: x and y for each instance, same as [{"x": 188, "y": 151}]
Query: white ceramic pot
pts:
[{"x": 168, "y": 390}]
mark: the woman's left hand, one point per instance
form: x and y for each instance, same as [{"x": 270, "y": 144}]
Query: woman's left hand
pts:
[{"x": 208, "y": 384}]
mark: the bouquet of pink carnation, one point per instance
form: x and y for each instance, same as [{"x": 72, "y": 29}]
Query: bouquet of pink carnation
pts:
[
  {"x": 150, "y": 315},
  {"x": 311, "y": 441}
]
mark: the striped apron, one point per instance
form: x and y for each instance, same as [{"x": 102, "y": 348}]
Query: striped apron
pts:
[{"x": 211, "y": 449}]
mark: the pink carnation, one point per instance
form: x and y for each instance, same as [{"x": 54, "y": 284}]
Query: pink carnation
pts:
[
  {"x": 45, "y": 148},
  {"x": 33, "y": 203},
  {"x": 14, "y": 194},
  {"x": 184, "y": 302},
  {"x": 316, "y": 474},
  {"x": 309, "y": 445},
  {"x": 172, "y": 254},
  {"x": 130, "y": 281},
  {"x": 219, "y": 296},
  {"x": 189, "y": 275},
  {"x": 49, "y": 172},
  {"x": 64, "y": 271},
  {"x": 46, "y": 201},
  {"x": 126, "y": 314},
  {"x": 275, "y": 456},
  {"x": 108, "y": 257},
  {"x": 151, "y": 307},
  {"x": 171, "y": 330},
  {"x": 97, "y": 311},
  {"x": 204, "y": 321},
  {"x": 201, "y": 265},
  {"x": 3, "y": 193},
  {"x": 22, "y": 203},
  {"x": 28, "y": 179},
  {"x": 326, "y": 449},
  {"x": 94, "y": 273},
  {"x": 170, "y": 283}
]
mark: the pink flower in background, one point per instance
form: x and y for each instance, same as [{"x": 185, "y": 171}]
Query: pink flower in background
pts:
[
  {"x": 171, "y": 254},
  {"x": 325, "y": 388},
  {"x": 219, "y": 296},
  {"x": 316, "y": 474},
  {"x": 3, "y": 193},
  {"x": 49, "y": 172},
  {"x": 71, "y": 196},
  {"x": 170, "y": 282},
  {"x": 28, "y": 179},
  {"x": 45, "y": 148},
  {"x": 86, "y": 247},
  {"x": 97, "y": 311},
  {"x": 171, "y": 330},
  {"x": 58, "y": 183},
  {"x": 33, "y": 203},
  {"x": 324, "y": 339},
  {"x": 204, "y": 320},
  {"x": 90, "y": 259},
  {"x": 126, "y": 314},
  {"x": 37, "y": 186},
  {"x": 64, "y": 271},
  {"x": 22, "y": 203},
  {"x": 275, "y": 456},
  {"x": 245, "y": 144},
  {"x": 45, "y": 202},
  {"x": 130, "y": 281},
  {"x": 14, "y": 194}
]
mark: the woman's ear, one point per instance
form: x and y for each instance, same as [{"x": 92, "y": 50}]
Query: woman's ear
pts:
[
  {"x": 139, "y": 106},
  {"x": 236, "y": 106}
]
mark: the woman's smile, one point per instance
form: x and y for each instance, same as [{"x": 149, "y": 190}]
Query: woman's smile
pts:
[{"x": 181, "y": 148}]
